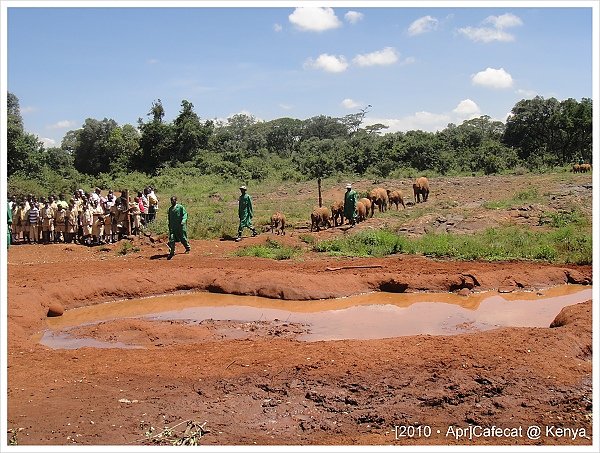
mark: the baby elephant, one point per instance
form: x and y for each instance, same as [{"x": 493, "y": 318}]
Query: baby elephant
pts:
[
  {"x": 278, "y": 223},
  {"x": 361, "y": 211},
  {"x": 396, "y": 198},
  {"x": 421, "y": 189},
  {"x": 320, "y": 216},
  {"x": 367, "y": 204},
  {"x": 337, "y": 212}
]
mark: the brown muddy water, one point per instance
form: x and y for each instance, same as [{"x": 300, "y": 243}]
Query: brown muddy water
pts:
[{"x": 367, "y": 316}]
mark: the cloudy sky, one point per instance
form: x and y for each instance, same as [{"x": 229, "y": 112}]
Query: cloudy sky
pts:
[{"x": 416, "y": 67}]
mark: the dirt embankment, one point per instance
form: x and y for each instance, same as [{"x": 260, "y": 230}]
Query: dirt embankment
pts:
[{"x": 271, "y": 389}]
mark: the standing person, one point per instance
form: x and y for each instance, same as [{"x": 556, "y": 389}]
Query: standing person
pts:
[
  {"x": 98, "y": 223},
  {"x": 60, "y": 224},
  {"x": 71, "y": 221},
  {"x": 9, "y": 223},
  {"x": 146, "y": 204},
  {"x": 177, "y": 216},
  {"x": 47, "y": 215},
  {"x": 350, "y": 199},
  {"x": 152, "y": 204},
  {"x": 134, "y": 210},
  {"x": 86, "y": 218},
  {"x": 245, "y": 214},
  {"x": 14, "y": 212},
  {"x": 22, "y": 221},
  {"x": 33, "y": 219}
]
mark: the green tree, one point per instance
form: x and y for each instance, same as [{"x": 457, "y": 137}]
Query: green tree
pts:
[
  {"x": 533, "y": 129},
  {"x": 124, "y": 143},
  {"x": 23, "y": 150},
  {"x": 323, "y": 127},
  {"x": 157, "y": 140},
  {"x": 283, "y": 135},
  {"x": 190, "y": 134},
  {"x": 93, "y": 153}
]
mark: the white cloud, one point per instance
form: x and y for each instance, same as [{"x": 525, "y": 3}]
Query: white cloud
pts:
[
  {"x": 28, "y": 109},
  {"x": 494, "y": 33},
  {"x": 314, "y": 19},
  {"x": 467, "y": 109},
  {"x": 349, "y": 103},
  {"x": 277, "y": 28},
  {"x": 486, "y": 34},
  {"x": 48, "y": 142},
  {"x": 429, "y": 121},
  {"x": 328, "y": 63},
  {"x": 526, "y": 93},
  {"x": 286, "y": 106},
  {"x": 493, "y": 78},
  {"x": 385, "y": 56},
  {"x": 504, "y": 21},
  {"x": 64, "y": 124},
  {"x": 422, "y": 25},
  {"x": 408, "y": 60},
  {"x": 353, "y": 16},
  {"x": 425, "y": 121}
]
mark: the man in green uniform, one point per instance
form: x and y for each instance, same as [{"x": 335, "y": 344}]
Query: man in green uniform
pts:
[
  {"x": 177, "y": 227},
  {"x": 245, "y": 214},
  {"x": 350, "y": 199}
]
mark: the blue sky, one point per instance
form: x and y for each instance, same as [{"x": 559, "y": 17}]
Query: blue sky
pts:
[{"x": 418, "y": 67}]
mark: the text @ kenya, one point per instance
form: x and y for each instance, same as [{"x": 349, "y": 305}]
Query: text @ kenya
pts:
[{"x": 532, "y": 432}]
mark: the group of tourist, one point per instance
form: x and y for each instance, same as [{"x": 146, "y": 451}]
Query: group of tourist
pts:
[{"x": 87, "y": 218}]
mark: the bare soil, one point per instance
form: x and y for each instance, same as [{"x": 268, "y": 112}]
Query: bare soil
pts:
[{"x": 257, "y": 384}]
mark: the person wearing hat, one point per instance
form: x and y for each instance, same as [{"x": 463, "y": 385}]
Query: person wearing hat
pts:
[
  {"x": 177, "y": 216},
  {"x": 350, "y": 199},
  {"x": 245, "y": 213}
]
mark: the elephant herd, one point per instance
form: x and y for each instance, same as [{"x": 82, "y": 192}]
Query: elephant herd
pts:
[
  {"x": 365, "y": 207},
  {"x": 582, "y": 168}
]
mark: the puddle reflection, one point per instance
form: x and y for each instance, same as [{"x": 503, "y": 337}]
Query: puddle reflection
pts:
[{"x": 368, "y": 316}]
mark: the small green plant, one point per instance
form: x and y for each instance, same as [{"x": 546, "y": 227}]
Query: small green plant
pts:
[
  {"x": 127, "y": 247},
  {"x": 307, "y": 239},
  {"x": 366, "y": 243},
  {"x": 270, "y": 249},
  {"x": 562, "y": 218},
  {"x": 525, "y": 196},
  {"x": 530, "y": 194}
]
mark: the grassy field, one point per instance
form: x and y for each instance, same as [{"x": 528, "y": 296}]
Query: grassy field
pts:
[{"x": 559, "y": 234}]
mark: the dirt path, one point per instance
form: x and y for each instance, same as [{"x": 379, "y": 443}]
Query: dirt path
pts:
[{"x": 269, "y": 389}]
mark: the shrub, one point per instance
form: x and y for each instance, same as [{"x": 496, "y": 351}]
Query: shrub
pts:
[{"x": 270, "y": 249}]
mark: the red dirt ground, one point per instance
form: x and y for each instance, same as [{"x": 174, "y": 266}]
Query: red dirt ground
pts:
[{"x": 269, "y": 389}]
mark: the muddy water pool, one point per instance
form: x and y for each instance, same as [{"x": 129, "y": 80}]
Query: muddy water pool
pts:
[{"x": 367, "y": 316}]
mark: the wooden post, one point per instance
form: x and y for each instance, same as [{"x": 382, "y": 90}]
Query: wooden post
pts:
[
  {"x": 320, "y": 197},
  {"x": 125, "y": 195}
]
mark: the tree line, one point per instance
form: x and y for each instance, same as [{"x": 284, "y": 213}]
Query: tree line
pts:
[{"x": 539, "y": 134}]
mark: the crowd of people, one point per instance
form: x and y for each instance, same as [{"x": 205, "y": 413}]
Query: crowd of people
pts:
[{"x": 86, "y": 218}]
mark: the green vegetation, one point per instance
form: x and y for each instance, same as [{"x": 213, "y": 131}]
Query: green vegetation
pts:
[
  {"x": 270, "y": 249},
  {"x": 529, "y": 195},
  {"x": 566, "y": 244},
  {"x": 203, "y": 163},
  {"x": 243, "y": 149},
  {"x": 127, "y": 247},
  {"x": 563, "y": 218}
]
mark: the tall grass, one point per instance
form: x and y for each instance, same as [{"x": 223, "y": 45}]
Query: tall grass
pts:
[{"x": 566, "y": 244}]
